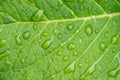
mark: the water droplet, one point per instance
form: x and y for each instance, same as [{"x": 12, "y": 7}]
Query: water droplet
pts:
[
  {"x": 70, "y": 68},
  {"x": 80, "y": 0},
  {"x": 75, "y": 53},
  {"x": 87, "y": 60},
  {"x": 35, "y": 27},
  {"x": 65, "y": 58},
  {"x": 23, "y": 61},
  {"x": 26, "y": 35},
  {"x": 59, "y": 53},
  {"x": 55, "y": 31},
  {"x": 113, "y": 50},
  {"x": 97, "y": 30},
  {"x": 81, "y": 7},
  {"x": 114, "y": 72},
  {"x": 37, "y": 16},
  {"x": 102, "y": 46},
  {"x": 80, "y": 65},
  {"x": 88, "y": 29},
  {"x": 46, "y": 44},
  {"x": 59, "y": 36},
  {"x": 91, "y": 70},
  {"x": 45, "y": 34},
  {"x": 7, "y": 62},
  {"x": 81, "y": 35},
  {"x": 114, "y": 39},
  {"x": 18, "y": 40},
  {"x": 2, "y": 42},
  {"x": 71, "y": 46},
  {"x": 70, "y": 26},
  {"x": 28, "y": 78},
  {"x": 106, "y": 34}
]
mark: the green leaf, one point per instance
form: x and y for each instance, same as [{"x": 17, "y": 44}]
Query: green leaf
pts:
[{"x": 59, "y": 39}]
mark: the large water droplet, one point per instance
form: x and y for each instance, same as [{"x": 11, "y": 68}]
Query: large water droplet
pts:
[
  {"x": 37, "y": 16},
  {"x": 46, "y": 44},
  {"x": 88, "y": 29},
  {"x": 2, "y": 42},
  {"x": 69, "y": 68},
  {"x": 102, "y": 46},
  {"x": 114, "y": 72},
  {"x": 26, "y": 35},
  {"x": 70, "y": 26},
  {"x": 71, "y": 46},
  {"x": 18, "y": 40}
]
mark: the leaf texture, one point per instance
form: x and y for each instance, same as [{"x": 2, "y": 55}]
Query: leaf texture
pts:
[{"x": 59, "y": 39}]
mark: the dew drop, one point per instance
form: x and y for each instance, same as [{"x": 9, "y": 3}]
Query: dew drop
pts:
[
  {"x": 22, "y": 61},
  {"x": 102, "y": 46},
  {"x": 59, "y": 36},
  {"x": 114, "y": 39},
  {"x": 2, "y": 42},
  {"x": 80, "y": 65},
  {"x": 81, "y": 7},
  {"x": 18, "y": 40},
  {"x": 46, "y": 44},
  {"x": 113, "y": 50},
  {"x": 37, "y": 16},
  {"x": 88, "y": 29},
  {"x": 97, "y": 30},
  {"x": 28, "y": 78},
  {"x": 81, "y": 35},
  {"x": 91, "y": 70},
  {"x": 59, "y": 53},
  {"x": 71, "y": 46},
  {"x": 70, "y": 26},
  {"x": 7, "y": 63},
  {"x": 70, "y": 68},
  {"x": 75, "y": 53},
  {"x": 114, "y": 72},
  {"x": 65, "y": 58},
  {"x": 35, "y": 27},
  {"x": 55, "y": 31},
  {"x": 45, "y": 34},
  {"x": 26, "y": 35},
  {"x": 106, "y": 34}
]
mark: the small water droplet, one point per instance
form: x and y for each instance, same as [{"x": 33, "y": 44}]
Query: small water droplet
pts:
[
  {"x": 35, "y": 27},
  {"x": 113, "y": 50},
  {"x": 65, "y": 58},
  {"x": 37, "y": 16},
  {"x": 7, "y": 62},
  {"x": 80, "y": 0},
  {"x": 18, "y": 40},
  {"x": 97, "y": 30},
  {"x": 71, "y": 46},
  {"x": 46, "y": 44},
  {"x": 45, "y": 34},
  {"x": 70, "y": 26},
  {"x": 81, "y": 35},
  {"x": 59, "y": 53},
  {"x": 26, "y": 35},
  {"x": 102, "y": 46},
  {"x": 114, "y": 39},
  {"x": 55, "y": 31},
  {"x": 87, "y": 60},
  {"x": 75, "y": 53},
  {"x": 59, "y": 36},
  {"x": 106, "y": 34},
  {"x": 80, "y": 65},
  {"x": 91, "y": 70},
  {"x": 70, "y": 68},
  {"x": 23, "y": 61},
  {"x": 81, "y": 7},
  {"x": 2, "y": 42},
  {"x": 28, "y": 78},
  {"x": 88, "y": 29}
]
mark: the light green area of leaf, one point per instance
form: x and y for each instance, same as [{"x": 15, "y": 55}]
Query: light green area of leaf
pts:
[{"x": 59, "y": 39}]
